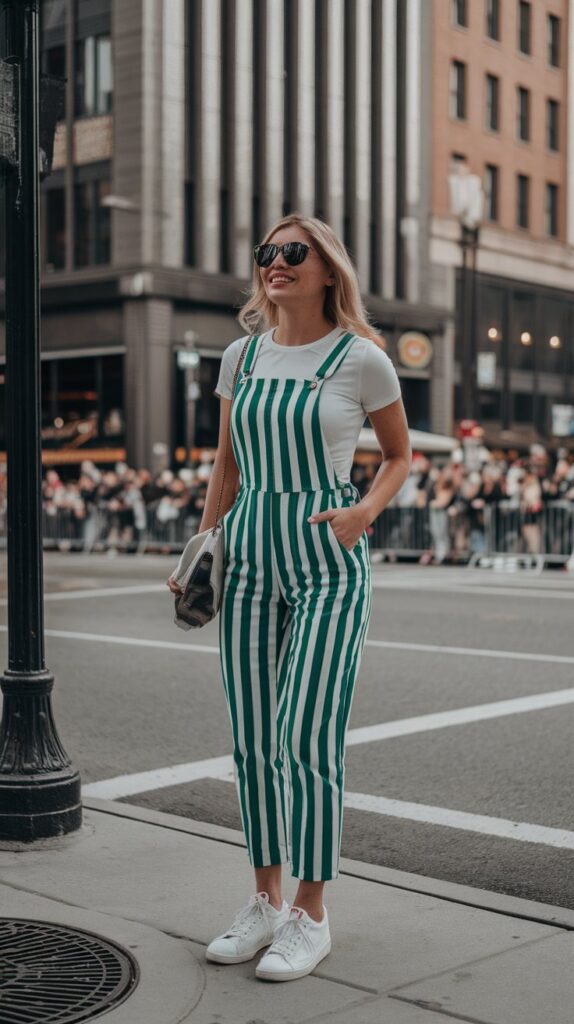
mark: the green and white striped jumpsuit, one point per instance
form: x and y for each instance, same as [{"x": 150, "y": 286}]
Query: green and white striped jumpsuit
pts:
[{"x": 295, "y": 609}]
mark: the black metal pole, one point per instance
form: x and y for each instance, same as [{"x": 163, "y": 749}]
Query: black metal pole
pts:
[
  {"x": 39, "y": 788},
  {"x": 473, "y": 387},
  {"x": 466, "y": 383}
]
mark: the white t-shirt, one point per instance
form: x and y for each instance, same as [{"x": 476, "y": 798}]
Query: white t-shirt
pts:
[{"x": 365, "y": 380}]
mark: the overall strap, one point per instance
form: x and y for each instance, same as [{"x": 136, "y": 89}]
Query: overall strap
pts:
[
  {"x": 252, "y": 353},
  {"x": 335, "y": 356}
]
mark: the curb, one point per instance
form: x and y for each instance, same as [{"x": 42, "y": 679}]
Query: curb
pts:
[{"x": 454, "y": 892}]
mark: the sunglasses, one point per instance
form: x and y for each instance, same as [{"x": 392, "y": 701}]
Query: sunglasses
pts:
[{"x": 293, "y": 253}]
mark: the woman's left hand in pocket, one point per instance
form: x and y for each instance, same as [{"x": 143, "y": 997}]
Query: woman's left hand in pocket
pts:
[{"x": 348, "y": 524}]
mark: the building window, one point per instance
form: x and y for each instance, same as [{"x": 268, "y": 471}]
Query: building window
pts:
[
  {"x": 552, "y": 210},
  {"x": 55, "y": 200},
  {"x": 92, "y": 219},
  {"x": 522, "y": 200},
  {"x": 458, "y": 90},
  {"x": 492, "y": 102},
  {"x": 553, "y": 30},
  {"x": 93, "y": 81},
  {"x": 493, "y": 19},
  {"x": 459, "y": 13},
  {"x": 523, "y": 113},
  {"x": 552, "y": 125},
  {"x": 491, "y": 192},
  {"x": 53, "y": 37},
  {"x": 524, "y": 13}
]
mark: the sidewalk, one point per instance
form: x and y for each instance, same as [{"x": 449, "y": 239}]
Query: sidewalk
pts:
[{"x": 403, "y": 945}]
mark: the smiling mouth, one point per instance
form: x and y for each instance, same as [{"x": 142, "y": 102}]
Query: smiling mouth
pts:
[{"x": 279, "y": 279}]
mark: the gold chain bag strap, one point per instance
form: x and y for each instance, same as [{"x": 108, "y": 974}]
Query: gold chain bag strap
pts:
[{"x": 200, "y": 571}]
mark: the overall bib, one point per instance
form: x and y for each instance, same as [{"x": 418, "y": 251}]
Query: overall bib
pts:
[{"x": 294, "y": 613}]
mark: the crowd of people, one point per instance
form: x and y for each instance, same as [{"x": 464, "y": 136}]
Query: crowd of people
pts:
[{"x": 116, "y": 508}]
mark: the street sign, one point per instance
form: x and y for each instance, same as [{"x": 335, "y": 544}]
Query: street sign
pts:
[
  {"x": 563, "y": 420},
  {"x": 9, "y": 82},
  {"x": 486, "y": 369}
]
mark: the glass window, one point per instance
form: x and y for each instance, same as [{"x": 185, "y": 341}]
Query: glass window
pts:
[
  {"x": 55, "y": 200},
  {"x": 92, "y": 221},
  {"x": 493, "y": 19},
  {"x": 551, "y": 212},
  {"x": 522, "y": 200},
  {"x": 523, "y": 113},
  {"x": 550, "y": 346},
  {"x": 94, "y": 86},
  {"x": 489, "y": 404},
  {"x": 553, "y": 38},
  {"x": 492, "y": 102},
  {"x": 83, "y": 402},
  {"x": 458, "y": 90},
  {"x": 523, "y": 407},
  {"x": 522, "y": 331},
  {"x": 552, "y": 125},
  {"x": 491, "y": 191},
  {"x": 524, "y": 12},
  {"x": 459, "y": 13},
  {"x": 53, "y": 38}
]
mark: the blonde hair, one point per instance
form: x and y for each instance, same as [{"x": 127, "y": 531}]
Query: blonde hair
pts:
[{"x": 343, "y": 304}]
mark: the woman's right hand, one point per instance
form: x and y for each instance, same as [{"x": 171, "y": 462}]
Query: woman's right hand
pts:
[{"x": 173, "y": 586}]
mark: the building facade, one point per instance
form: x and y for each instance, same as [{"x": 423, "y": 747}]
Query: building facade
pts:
[
  {"x": 503, "y": 101},
  {"x": 189, "y": 128},
  {"x": 191, "y": 125}
]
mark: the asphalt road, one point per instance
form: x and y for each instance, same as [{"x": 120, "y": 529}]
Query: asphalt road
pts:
[{"x": 482, "y": 797}]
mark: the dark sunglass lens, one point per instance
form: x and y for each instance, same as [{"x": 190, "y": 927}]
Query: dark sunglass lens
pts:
[
  {"x": 265, "y": 254},
  {"x": 295, "y": 252}
]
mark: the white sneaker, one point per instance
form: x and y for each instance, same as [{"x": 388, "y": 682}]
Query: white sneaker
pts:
[
  {"x": 300, "y": 944},
  {"x": 253, "y": 928}
]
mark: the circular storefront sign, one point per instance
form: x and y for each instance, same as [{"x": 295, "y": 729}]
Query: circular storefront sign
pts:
[{"x": 414, "y": 350}]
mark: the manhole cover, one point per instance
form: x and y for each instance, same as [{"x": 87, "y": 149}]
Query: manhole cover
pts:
[{"x": 52, "y": 974}]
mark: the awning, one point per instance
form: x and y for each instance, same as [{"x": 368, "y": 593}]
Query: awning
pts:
[{"x": 421, "y": 441}]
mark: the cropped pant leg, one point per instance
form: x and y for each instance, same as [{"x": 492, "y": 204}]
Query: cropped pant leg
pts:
[
  {"x": 328, "y": 591},
  {"x": 253, "y": 625}
]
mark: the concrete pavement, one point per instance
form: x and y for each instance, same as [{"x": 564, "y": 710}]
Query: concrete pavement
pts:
[{"x": 403, "y": 945}]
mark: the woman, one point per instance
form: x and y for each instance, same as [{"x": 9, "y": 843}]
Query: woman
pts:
[{"x": 297, "y": 597}]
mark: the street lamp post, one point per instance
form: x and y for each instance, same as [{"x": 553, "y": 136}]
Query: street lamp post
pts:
[
  {"x": 466, "y": 202},
  {"x": 40, "y": 793}
]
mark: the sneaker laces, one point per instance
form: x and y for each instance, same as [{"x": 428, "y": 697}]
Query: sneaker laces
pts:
[
  {"x": 290, "y": 935},
  {"x": 246, "y": 917}
]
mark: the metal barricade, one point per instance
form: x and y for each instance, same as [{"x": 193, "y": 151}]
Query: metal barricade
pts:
[
  {"x": 496, "y": 535},
  {"x": 529, "y": 537}
]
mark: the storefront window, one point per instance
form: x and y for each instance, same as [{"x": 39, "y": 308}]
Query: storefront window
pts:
[
  {"x": 551, "y": 342},
  {"x": 522, "y": 331},
  {"x": 416, "y": 399},
  {"x": 82, "y": 402}
]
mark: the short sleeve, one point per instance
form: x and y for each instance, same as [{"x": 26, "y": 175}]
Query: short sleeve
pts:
[
  {"x": 227, "y": 368},
  {"x": 380, "y": 384}
]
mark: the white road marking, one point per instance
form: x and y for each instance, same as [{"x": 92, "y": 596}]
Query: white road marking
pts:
[
  {"x": 474, "y": 652},
  {"x": 398, "y": 645},
  {"x": 130, "y": 641},
  {"x": 460, "y": 716},
  {"x": 522, "y": 831},
  {"x": 75, "y": 595},
  {"x": 159, "y": 778},
  {"x": 220, "y": 767},
  {"x": 476, "y": 591}
]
